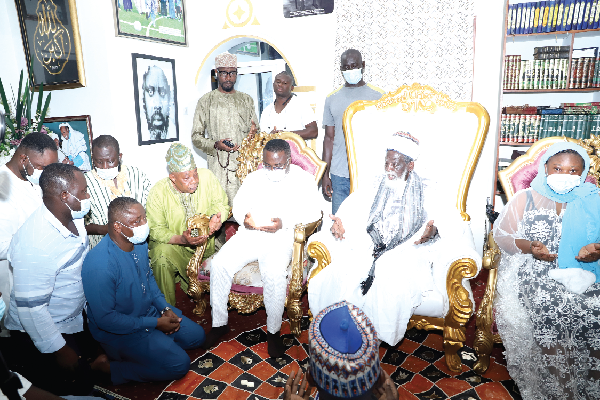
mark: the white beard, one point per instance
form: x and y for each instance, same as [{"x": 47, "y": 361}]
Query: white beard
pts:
[{"x": 398, "y": 184}]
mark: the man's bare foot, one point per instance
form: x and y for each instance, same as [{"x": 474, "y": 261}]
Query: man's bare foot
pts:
[{"x": 101, "y": 364}]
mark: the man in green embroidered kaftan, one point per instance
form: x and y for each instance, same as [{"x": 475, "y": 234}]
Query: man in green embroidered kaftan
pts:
[
  {"x": 224, "y": 114},
  {"x": 186, "y": 192}
]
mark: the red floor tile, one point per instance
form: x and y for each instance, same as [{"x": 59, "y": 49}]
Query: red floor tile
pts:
[{"x": 187, "y": 384}]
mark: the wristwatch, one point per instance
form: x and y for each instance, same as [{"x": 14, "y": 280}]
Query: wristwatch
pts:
[{"x": 165, "y": 310}]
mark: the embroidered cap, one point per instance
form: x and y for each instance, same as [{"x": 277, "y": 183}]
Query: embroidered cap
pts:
[
  {"x": 344, "y": 351},
  {"x": 226, "y": 60},
  {"x": 405, "y": 143},
  {"x": 179, "y": 158}
]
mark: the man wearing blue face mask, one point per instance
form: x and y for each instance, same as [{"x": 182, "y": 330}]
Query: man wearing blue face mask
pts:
[
  {"x": 20, "y": 193},
  {"x": 336, "y": 179},
  {"x": 144, "y": 337},
  {"x": 46, "y": 302}
]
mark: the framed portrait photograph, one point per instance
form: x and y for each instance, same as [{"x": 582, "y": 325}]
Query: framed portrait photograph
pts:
[
  {"x": 155, "y": 20},
  {"x": 155, "y": 92},
  {"x": 51, "y": 42},
  {"x": 73, "y": 138}
]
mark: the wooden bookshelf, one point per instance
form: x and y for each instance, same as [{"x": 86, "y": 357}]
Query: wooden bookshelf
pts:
[
  {"x": 533, "y": 39},
  {"x": 591, "y": 89},
  {"x": 554, "y": 33}
]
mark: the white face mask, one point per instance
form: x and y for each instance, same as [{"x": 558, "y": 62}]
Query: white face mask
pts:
[
  {"x": 108, "y": 174},
  {"x": 353, "y": 76},
  {"x": 85, "y": 208},
  {"x": 563, "y": 183},
  {"x": 276, "y": 175},
  {"x": 2, "y": 307},
  {"x": 34, "y": 178},
  {"x": 140, "y": 233}
]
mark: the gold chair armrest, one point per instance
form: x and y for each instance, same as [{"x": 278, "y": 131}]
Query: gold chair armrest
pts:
[
  {"x": 195, "y": 289},
  {"x": 319, "y": 252},
  {"x": 484, "y": 339}
]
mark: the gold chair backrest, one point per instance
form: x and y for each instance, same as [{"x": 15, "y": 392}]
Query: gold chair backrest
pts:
[
  {"x": 250, "y": 153},
  {"x": 451, "y": 135}
]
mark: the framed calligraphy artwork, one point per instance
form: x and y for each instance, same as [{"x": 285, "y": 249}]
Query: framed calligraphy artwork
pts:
[
  {"x": 51, "y": 42},
  {"x": 155, "y": 20},
  {"x": 155, "y": 93}
]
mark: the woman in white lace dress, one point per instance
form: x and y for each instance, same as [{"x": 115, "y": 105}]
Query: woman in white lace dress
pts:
[{"x": 550, "y": 332}]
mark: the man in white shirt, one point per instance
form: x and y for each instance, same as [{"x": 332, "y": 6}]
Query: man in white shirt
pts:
[
  {"x": 20, "y": 194},
  {"x": 288, "y": 113},
  {"x": 271, "y": 201}
]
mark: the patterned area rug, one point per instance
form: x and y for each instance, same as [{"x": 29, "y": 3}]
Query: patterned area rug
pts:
[{"x": 241, "y": 369}]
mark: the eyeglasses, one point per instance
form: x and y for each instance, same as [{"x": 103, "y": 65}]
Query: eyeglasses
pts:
[
  {"x": 276, "y": 168},
  {"x": 223, "y": 74}
]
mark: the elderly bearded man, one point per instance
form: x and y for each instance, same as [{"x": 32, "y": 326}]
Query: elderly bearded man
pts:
[
  {"x": 145, "y": 339},
  {"x": 388, "y": 243},
  {"x": 222, "y": 119},
  {"x": 157, "y": 105},
  {"x": 271, "y": 202},
  {"x": 172, "y": 201}
]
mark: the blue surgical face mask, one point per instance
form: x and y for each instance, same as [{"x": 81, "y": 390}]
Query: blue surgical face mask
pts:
[
  {"x": 85, "y": 208},
  {"x": 2, "y": 307},
  {"x": 353, "y": 76}
]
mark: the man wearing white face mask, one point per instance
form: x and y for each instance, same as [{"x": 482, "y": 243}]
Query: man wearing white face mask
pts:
[
  {"x": 20, "y": 194},
  {"x": 144, "y": 337},
  {"x": 271, "y": 201},
  {"x": 110, "y": 179},
  {"x": 336, "y": 180},
  {"x": 46, "y": 302}
]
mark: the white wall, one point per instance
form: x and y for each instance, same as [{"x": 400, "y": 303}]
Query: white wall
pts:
[{"x": 307, "y": 43}]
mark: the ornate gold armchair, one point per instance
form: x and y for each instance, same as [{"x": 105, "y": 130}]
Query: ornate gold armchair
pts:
[
  {"x": 451, "y": 136},
  {"x": 247, "y": 293},
  {"x": 515, "y": 177}
]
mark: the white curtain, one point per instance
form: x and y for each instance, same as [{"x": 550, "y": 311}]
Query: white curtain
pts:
[{"x": 407, "y": 41}]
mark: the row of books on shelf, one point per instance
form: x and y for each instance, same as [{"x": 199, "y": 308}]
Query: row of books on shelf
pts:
[
  {"x": 549, "y": 74},
  {"x": 565, "y": 108},
  {"x": 552, "y": 16},
  {"x": 531, "y": 128}
]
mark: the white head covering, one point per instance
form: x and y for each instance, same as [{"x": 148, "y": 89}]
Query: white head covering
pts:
[
  {"x": 226, "y": 60},
  {"x": 405, "y": 143}
]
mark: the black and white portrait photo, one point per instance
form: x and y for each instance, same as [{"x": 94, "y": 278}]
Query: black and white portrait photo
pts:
[
  {"x": 305, "y": 8},
  {"x": 155, "y": 91}
]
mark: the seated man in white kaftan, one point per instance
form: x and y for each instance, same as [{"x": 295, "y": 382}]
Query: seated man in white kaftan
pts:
[
  {"x": 270, "y": 202},
  {"x": 74, "y": 147},
  {"x": 390, "y": 234}
]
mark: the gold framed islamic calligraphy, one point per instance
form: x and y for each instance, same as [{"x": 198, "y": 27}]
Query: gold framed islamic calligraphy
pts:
[{"x": 50, "y": 34}]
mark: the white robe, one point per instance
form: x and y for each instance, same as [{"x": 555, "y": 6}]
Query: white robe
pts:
[
  {"x": 18, "y": 199},
  {"x": 294, "y": 200},
  {"x": 403, "y": 275},
  {"x": 76, "y": 146}
]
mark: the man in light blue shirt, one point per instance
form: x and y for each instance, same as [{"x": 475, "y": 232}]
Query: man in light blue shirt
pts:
[{"x": 45, "y": 317}]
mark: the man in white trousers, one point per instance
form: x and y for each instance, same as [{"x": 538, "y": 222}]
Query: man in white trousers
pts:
[{"x": 269, "y": 204}]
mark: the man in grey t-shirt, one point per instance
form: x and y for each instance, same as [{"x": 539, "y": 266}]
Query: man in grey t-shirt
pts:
[{"x": 337, "y": 187}]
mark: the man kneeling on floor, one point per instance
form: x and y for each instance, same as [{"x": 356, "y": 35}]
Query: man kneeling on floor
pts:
[
  {"x": 145, "y": 338},
  {"x": 271, "y": 201}
]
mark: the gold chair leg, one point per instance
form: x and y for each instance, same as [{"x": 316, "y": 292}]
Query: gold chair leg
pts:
[
  {"x": 483, "y": 345},
  {"x": 201, "y": 304},
  {"x": 294, "y": 312},
  {"x": 453, "y": 360}
]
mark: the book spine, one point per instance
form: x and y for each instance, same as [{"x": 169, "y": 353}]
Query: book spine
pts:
[
  {"x": 510, "y": 134},
  {"x": 543, "y": 126},
  {"x": 590, "y": 72},
  {"x": 572, "y": 73},
  {"x": 541, "y": 16},
  {"x": 538, "y": 128},
  {"x": 527, "y": 16},
  {"x": 550, "y": 15},
  {"x": 521, "y": 132},
  {"x": 597, "y": 74},
  {"x": 577, "y": 132},
  {"x": 576, "y": 14},
  {"x": 546, "y": 79},
  {"x": 502, "y": 128},
  {"x": 559, "y": 131},
  {"x": 597, "y": 16},
  {"x": 532, "y": 18},
  {"x": 509, "y": 18},
  {"x": 511, "y": 72},
  {"x": 586, "y": 14},
  {"x": 555, "y": 17},
  {"x": 595, "y": 126},
  {"x": 518, "y": 20},
  {"x": 592, "y": 12},
  {"x": 570, "y": 17},
  {"x": 560, "y": 26},
  {"x": 552, "y": 122},
  {"x": 584, "y": 72},
  {"x": 565, "y": 73},
  {"x": 535, "y": 84},
  {"x": 524, "y": 15},
  {"x": 526, "y": 128},
  {"x": 587, "y": 124},
  {"x": 581, "y": 14}
]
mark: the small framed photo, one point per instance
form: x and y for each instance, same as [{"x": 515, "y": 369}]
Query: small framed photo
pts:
[
  {"x": 51, "y": 42},
  {"x": 155, "y": 92},
  {"x": 155, "y": 20},
  {"x": 73, "y": 138},
  {"x": 306, "y": 8}
]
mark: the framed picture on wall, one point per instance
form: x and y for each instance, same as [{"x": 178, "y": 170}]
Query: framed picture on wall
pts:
[
  {"x": 155, "y": 92},
  {"x": 51, "y": 42},
  {"x": 73, "y": 138},
  {"x": 155, "y": 20},
  {"x": 306, "y": 8}
]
